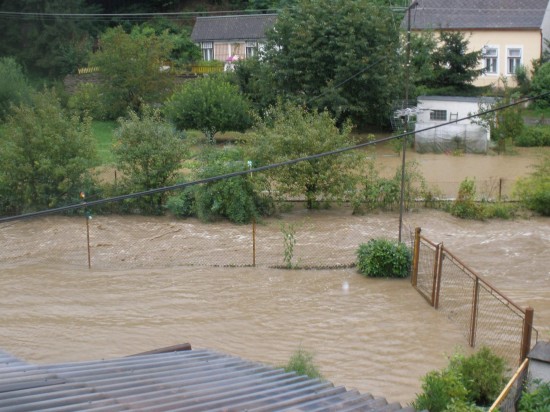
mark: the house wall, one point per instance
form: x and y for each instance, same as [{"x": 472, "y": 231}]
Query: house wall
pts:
[
  {"x": 530, "y": 42},
  {"x": 456, "y": 108}
]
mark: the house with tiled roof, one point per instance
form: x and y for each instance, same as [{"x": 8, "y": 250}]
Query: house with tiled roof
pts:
[
  {"x": 226, "y": 38},
  {"x": 510, "y": 33}
]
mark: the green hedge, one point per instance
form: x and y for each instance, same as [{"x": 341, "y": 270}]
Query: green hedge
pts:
[
  {"x": 535, "y": 136},
  {"x": 384, "y": 258}
]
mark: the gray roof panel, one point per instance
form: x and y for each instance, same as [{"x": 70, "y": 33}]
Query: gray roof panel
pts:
[
  {"x": 226, "y": 28},
  {"x": 191, "y": 380},
  {"x": 478, "y": 14}
]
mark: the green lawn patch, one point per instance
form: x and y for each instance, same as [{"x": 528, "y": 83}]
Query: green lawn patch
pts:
[{"x": 103, "y": 133}]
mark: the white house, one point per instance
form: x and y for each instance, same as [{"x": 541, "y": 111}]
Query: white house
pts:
[{"x": 463, "y": 135}]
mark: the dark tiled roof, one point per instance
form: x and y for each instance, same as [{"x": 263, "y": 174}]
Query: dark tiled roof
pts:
[
  {"x": 193, "y": 380},
  {"x": 216, "y": 28},
  {"x": 478, "y": 14}
]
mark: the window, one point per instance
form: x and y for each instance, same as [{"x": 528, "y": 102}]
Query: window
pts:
[
  {"x": 251, "y": 49},
  {"x": 207, "y": 51},
  {"x": 438, "y": 114},
  {"x": 513, "y": 59},
  {"x": 490, "y": 60}
]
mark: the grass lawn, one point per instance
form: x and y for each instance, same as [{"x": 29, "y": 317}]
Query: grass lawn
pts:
[{"x": 103, "y": 133}]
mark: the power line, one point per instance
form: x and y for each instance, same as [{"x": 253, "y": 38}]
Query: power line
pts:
[{"x": 180, "y": 186}]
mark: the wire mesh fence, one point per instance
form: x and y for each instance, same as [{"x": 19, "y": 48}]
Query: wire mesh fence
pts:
[
  {"x": 321, "y": 239},
  {"x": 487, "y": 317},
  {"x": 511, "y": 394}
]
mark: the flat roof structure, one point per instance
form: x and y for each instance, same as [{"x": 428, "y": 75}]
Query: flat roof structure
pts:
[{"x": 179, "y": 380}]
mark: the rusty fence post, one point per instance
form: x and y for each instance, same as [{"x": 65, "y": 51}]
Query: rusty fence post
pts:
[
  {"x": 254, "y": 242},
  {"x": 416, "y": 256},
  {"x": 439, "y": 272},
  {"x": 473, "y": 317},
  {"x": 435, "y": 270},
  {"x": 527, "y": 331}
]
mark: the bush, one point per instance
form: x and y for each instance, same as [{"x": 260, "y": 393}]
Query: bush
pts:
[
  {"x": 466, "y": 383},
  {"x": 465, "y": 205},
  {"x": 534, "y": 137},
  {"x": 14, "y": 86},
  {"x": 239, "y": 198},
  {"x": 384, "y": 258},
  {"x": 534, "y": 190},
  {"x": 88, "y": 101},
  {"x": 302, "y": 363},
  {"x": 537, "y": 400},
  {"x": 182, "y": 204},
  {"x": 482, "y": 374},
  {"x": 439, "y": 390}
]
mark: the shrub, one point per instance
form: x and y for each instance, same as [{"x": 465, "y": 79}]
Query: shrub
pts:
[
  {"x": 302, "y": 363},
  {"x": 533, "y": 137},
  {"x": 384, "y": 258},
  {"x": 534, "y": 190},
  {"x": 439, "y": 390},
  {"x": 14, "y": 86},
  {"x": 466, "y": 383},
  {"x": 465, "y": 205},
  {"x": 182, "y": 204},
  {"x": 482, "y": 374},
  {"x": 536, "y": 400},
  {"x": 239, "y": 198},
  {"x": 88, "y": 101}
]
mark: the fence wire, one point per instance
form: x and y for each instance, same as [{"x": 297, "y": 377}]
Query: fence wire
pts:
[
  {"x": 322, "y": 239},
  {"x": 487, "y": 317}
]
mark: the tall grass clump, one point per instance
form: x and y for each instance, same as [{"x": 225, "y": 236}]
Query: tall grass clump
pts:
[{"x": 302, "y": 362}]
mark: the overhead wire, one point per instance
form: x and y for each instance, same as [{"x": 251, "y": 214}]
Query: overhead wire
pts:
[{"x": 250, "y": 171}]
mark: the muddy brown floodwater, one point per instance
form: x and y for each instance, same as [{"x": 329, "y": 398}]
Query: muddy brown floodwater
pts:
[{"x": 378, "y": 336}]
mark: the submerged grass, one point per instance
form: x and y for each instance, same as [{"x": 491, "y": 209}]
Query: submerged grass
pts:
[{"x": 302, "y": 363}]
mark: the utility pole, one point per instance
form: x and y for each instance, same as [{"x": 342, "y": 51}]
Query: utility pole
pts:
[{"x": 413, "y": 4}]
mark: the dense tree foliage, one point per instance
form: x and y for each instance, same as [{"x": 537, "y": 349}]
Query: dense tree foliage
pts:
[
  {"x": 48, "y": 45},
  {"x": 337, "y": 54},
  {"x": 45, "y": 156},
  {"x": 453, "y": 65},
  {"x": 210, "y": 104},
  {"x": 14, "y": 86},
  {"x": 130, "y": 67},
  {"x": 149, "y": 152},
  {"x": 291, "y": 132}
]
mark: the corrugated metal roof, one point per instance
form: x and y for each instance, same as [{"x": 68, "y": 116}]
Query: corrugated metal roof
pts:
[
  {"x": 478, "y": 14},
  {"x": 193, "y": 380},
  {"x": 224, "y": 28}
]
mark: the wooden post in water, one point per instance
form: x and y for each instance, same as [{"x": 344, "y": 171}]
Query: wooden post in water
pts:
[
  {"x": 438, "y": 275},
  {"x": 473, "y": 317},
  {"x": 527, "y": 331},
  {"x": 435, "y": 271},
  {"x": 88, "y": 238},
  {"x": 254, "y": 242},
  {"x": 416, "y": 256}
]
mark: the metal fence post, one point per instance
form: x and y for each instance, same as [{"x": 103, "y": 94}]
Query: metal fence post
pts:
[
  {"x": 440, "y": 257},
  {"x": 526, "y": 335},
  {"x": 254, "y": 242},
  {"x": 416, "y": 256},
  {"x": 473, "y": 319},
  {"x": 435, "y": 270}
]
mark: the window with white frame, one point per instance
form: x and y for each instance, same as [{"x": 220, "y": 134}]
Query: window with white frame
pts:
[
  {"x": 513, "y": 57},
  {"x": 490, "y": 59},
  {"x": 207, "y": 51},
  {"x": 438, "y": 114},
  {"x": 251, "y": 49}
]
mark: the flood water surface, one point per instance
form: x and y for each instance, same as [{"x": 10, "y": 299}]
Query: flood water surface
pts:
[{"x": 378, "y": 336}]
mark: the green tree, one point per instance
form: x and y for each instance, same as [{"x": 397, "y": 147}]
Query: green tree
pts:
[
  {"x": 47, "y": 44},
  {"x": 256, "y": 80},
  {"x": 453, "y": 65},
  {"x": 337, "y": 54},
  {"x": 130, "y": 65},
  {"x": 14, "y": 87},
  {"x": 291, "y": 132},
  {"x": 239, "y": 198},
  {"x": 541, "y": 84},
  {"x": 211, "y": 105},
  {"x": 149, "y": 152},
  {"x": 45, "y": 155},
  {"x": 534, "y": 190},
  {"x": 421, "y": 70}
]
